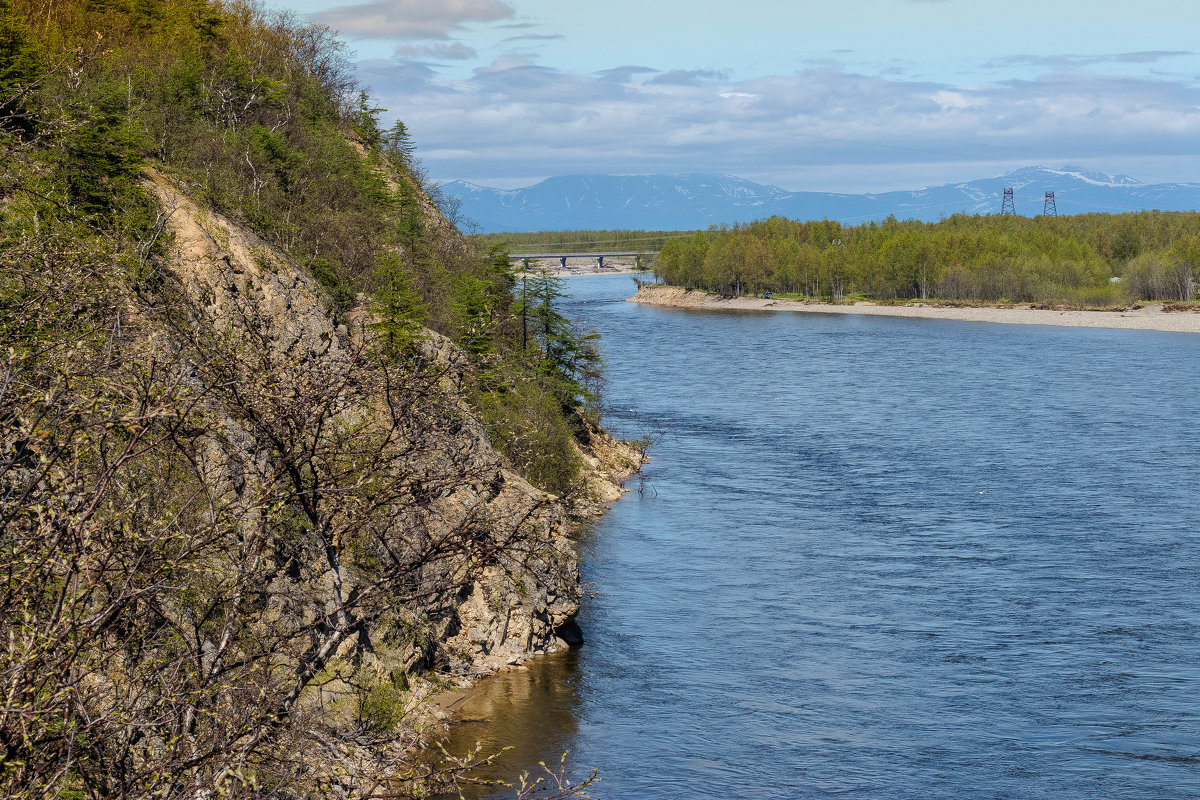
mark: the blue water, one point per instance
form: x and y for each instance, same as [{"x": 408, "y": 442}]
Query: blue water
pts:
[{"x": 883, "y": 558}]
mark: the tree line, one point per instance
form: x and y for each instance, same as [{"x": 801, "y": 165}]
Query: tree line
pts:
[{"x": 1090, "y": 260}]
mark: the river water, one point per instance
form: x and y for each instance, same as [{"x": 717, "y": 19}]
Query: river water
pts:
[{"x": 881, "y": 558}]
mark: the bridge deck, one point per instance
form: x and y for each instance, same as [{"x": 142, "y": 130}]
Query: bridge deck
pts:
[{"x": 611, "y": 254}]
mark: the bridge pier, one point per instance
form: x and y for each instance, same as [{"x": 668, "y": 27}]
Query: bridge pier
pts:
[{"x": 527, "y": 260}]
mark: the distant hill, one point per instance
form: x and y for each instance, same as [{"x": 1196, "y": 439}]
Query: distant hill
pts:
[{"x": 685, "y": 202}]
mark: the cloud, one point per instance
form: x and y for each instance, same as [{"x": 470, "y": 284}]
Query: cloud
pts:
[
  {"x": 399, "y": 73},
  {"x": 440, "y": 51},
  {"x": 515, "y": 117},
  {"x": 686, "y": 77},
  {"x": 411, "y": 19},
  {"x": 1074, "y": 62},
  {"x": 624, "y": 74},
  {"x": 534, "y": 37}
]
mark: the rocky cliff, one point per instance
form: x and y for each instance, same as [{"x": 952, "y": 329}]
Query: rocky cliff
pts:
[
  {"x": 262, "y": 537},
  {"x": 264, "y": 418},
  {"x": 513, "y": 600}
]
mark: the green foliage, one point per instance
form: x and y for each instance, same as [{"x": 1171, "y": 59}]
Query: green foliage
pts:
[
  {"x": 399, "y": 308},
  {"x": 1161, "y": 276},
  {"x": 381, "y": 706},
  {"x": 257, "y": 114},
  {"x": 473, "y": 315},
  {"x": 1067, "y": 260},
  {"x": 526, "y": 423},
  {"x": 20, "y": 58},
  {"x": 568, "y": 359},
  {"x": 101, "y": 156},
  {"x": 364, "y": 120},
  {"x": 398, "y": 146}
]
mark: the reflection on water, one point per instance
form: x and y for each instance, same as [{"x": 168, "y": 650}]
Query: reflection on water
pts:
[{"x": 532, "y": 712}]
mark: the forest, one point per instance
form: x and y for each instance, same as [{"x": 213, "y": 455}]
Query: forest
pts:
[
  {"x": 1087, "y": 260},
  {"x": 1069, "y": 260}
]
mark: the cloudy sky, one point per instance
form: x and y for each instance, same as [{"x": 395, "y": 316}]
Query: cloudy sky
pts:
[{"x": 846, "y": 95}]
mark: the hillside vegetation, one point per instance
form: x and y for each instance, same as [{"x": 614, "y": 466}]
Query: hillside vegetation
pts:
[
  {"x": 1068, "y": 260},
  {"x": 251, "y": 386},
  {"x": 258, "y": 117}
]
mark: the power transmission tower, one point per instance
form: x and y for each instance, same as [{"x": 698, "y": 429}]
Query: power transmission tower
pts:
[
  {"x": 1008, "y": 205},
  {"x": 1048, "y": 209}
]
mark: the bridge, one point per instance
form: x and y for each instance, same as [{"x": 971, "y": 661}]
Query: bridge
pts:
[{"x": 562, "y": 257}]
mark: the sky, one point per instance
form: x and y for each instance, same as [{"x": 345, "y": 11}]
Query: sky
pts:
[{"x": 839, "y": 95}]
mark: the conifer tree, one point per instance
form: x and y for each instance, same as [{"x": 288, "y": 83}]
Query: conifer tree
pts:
[
  {"x": 398, "y": 146},
  {"x": 570, "y": 359},
  {"x": 398, "y": 304}
]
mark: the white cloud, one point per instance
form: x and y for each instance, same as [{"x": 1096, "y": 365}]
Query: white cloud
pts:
[
  {"x": 440, "y": 51},
  {"x": 1077, "y": 62},
  {"x": 411, "y": 19},
  {"x": 517, "y": 118},
  {"x": 951, "y": 100}
]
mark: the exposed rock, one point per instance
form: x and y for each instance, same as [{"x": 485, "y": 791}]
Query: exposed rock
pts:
[{"x": 514, "y": 606}]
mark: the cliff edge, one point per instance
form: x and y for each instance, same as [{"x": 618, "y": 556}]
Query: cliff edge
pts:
[{"x": 278, "y": 456}]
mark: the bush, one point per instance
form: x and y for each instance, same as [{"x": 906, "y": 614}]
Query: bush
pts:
[
  {"x": 381, "y": 706},
  {"x": 1158, "y": 276},
  {"x": 527, "y": 425}
]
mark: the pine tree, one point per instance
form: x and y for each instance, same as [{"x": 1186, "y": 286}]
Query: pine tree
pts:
[
  {"x": 398, "y": 304},
  {"x": 568, "y": 358},
  {"x": 398, "y": 146}
]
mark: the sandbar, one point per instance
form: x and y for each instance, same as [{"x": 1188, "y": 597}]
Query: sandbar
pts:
[{"x": 1147, "y": 317}]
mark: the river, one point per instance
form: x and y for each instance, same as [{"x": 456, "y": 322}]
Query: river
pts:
[{"x": 881, "y": 558}]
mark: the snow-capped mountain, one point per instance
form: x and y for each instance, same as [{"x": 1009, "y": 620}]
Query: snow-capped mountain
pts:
[{"x": 685, "y": 202}]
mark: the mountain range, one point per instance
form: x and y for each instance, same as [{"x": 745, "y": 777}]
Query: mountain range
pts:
[{"x": 693, "y": 201}]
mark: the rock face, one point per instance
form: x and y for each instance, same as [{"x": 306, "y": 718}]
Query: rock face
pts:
[{"x": 502, "y": 597}]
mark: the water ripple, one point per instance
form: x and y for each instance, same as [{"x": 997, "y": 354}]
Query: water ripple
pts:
[{"x": 890, "y": 559}]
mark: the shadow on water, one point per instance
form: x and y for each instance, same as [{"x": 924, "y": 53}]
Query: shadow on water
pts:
[{"x": 533, "y": 712}]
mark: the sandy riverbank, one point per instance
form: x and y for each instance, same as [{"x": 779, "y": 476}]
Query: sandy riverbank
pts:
[{"x": 1150, "y": 317}]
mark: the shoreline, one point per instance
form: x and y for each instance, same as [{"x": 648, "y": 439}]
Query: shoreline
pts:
[
  {"x": 1150, "y": 317},
  {"x": 608, "y": 463}
]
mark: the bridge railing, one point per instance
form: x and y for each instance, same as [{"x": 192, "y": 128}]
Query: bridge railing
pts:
[{"x": 562, "y": 257}]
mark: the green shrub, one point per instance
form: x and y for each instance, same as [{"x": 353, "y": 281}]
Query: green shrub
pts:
[
  {"x": 527, "y": 425},
  {"x": 382, "y": 705},
  {"x": 1158, "y": 276}
]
